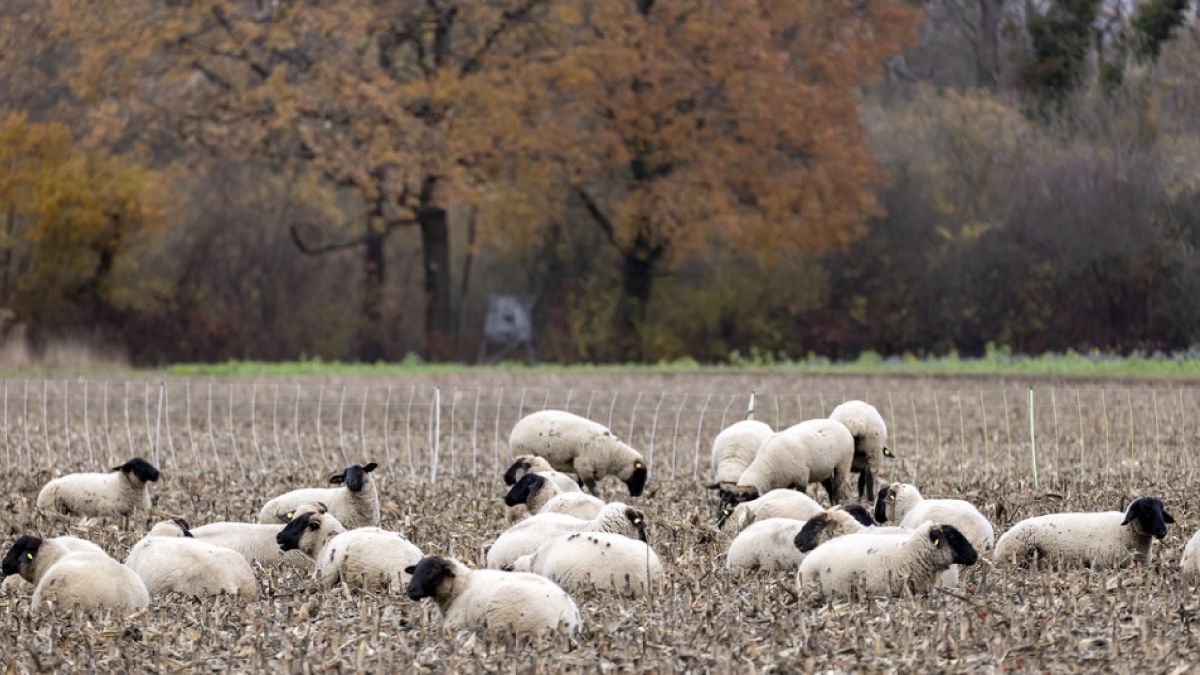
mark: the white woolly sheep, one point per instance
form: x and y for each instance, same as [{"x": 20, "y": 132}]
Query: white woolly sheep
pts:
[
  {"x": 526, "y": 536},
  {"x": 526, "y": 464},
  {"x": 767, "y": 545},
  {"x": 256, "y": 541},
  {"x": 1190, "y": 562},
  {"x": 780, "y": 503},
  {"x": 511, "y": 602},
  {"x": 65, "y": 577},
  {"x": 367, "y": 557},
  {"x": 601, "y": 561},
  {"x": 1097, "y": 540},
  {"x": 355, "y": 504},
  {"x": 541, "y": 495},
  {"x": 734, "y": 449},
  {"x": 170, "y": 559},
  {"x": 117, "y": 493},
  {"x": 902, "y": 503},
  {"x": 872, "y": 563},
  {"x": 65, "y": 544},
  {"x": 815, "y": 451},
  {"x": 870, "y": 434},
  {"x": 580, "y": 446}
]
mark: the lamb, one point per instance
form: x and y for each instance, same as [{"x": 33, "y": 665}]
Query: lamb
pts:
[
  {"x": 170, "y": 559},
  {"x": 766, "y": 545},
  {"x": 367, "y": 557},
  {"x": 356, "y": 504},
  {"x": 510, "y": 602},
  {"x": 814, "y": 451},
  {"x": 526, "y": 536},
  {"x": 118, "y": 493},
  {"x": 780, "y": 503},
  {"x": 526, "y": 464},
  {"x": 541, "y": 495},
  {"x": 601, "y": 561},
  {"x": 1097, "y": 540},
  {"x": 65, "y": 575},
  {"x": 872, "y": 563},
  {"x": 734, "y": 449},
  {"x": 580, "y": 446},
  {"x": 867, "y": 427},
  {"x": 903, "y": 504},
  {"x": 1190, "y": 562}
]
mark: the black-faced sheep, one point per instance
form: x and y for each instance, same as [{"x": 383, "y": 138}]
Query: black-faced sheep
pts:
[
  {"x": 170, "y": 559},
  {"x": 1101, "y": 539},
  {"x": 64, "y": 578},
  {"x": 117, "y": 493},
  {"x": 355, "y": 504},
  {"x": 870, "y": 434},
  {"x": 366, "y": 557},
  {"x": 580, "y": 446}
]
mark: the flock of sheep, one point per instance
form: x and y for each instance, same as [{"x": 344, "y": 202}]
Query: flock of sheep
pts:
[{"x": 571, "y": 541}]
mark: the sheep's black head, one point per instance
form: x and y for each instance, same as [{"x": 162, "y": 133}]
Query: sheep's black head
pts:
[
  {"x": 21, "y": 554},
  {"x": 638, "y": 521},
  {"x": 355, "y": 477},
  {"x": 1149, "y": 517},
  {"x": 809, "y": 536},
  {"x": 886, "y": 495},
  {"x": 737, "y": 496},
  {"x": 724, "y": 510},
  {"x": 140, "y": 468},
  {"x": 859, "y": 513},
  {"x": 183, "y": 525},
  {"x": 289, "y": 537},
  {"x": 529, "y": 485},
  {"x": 637, "y": 479},
  {"x": 947, "y": 537},
  {"x": 887, "y": 452},
  {"x": 427, "y": 576},
  {"x": 510, "y": 476}
]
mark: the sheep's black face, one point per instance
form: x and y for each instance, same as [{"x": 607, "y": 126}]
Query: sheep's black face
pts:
[
  {"x": 529, "y": 485},
  {"x": 859, "y": 513},
  {"x": 289, "y": 537},
  {"x": 510, "y": 476},
  {"x": 949, "y": 538},
  {"x": 809, "y": 536},
  {"x": 637, "y": 480},
  {"x": 183, "y": 525},
  {"x": 735, "y": 497},
  {"x": 427, "y": 576},
  {"x": 885, "y": 495},
  {"x": 638, "y": 521},
  {"x": 355, "y": 477},
  {"x": 724, "y": 510},
  {"x": 21, "y": 554},
  {"x": 1150, "y": 515},
  {"x": 140, "y": 468}
]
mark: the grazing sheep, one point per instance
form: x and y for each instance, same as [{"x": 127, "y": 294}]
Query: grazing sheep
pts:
[
  {"x": 780, "y": 503},
  {"x": 68, "y": 575},
  {"x": 355, "y": 504},
  {"x": 541, "y": 495},
  {"x": 1190, "y": 562},
  {"x": 870, "y": 434},
  {"x": 873, "y": 563},
  {"x": 511, "y": 602},
  {"x": 526, "y": 464},
  {"x": 1093, "y": 539},
  {"x": 600, "y": 561},
  {"x": 526, "y": 536},
  {"x": 118, "y": 493},
  {"x": 903, "y": 504},
  {"x": 580, "y": 446},
  {"x": 767, "y": 545},
  {"x": 810, "y": 452},
  {"x": 734, "y": 449},
  {"x": 170, "y": 559},
  {"x": 367, "y": 557}
]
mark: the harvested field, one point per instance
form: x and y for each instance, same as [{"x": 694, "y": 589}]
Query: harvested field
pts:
[{"x": 1099, "y": 444}]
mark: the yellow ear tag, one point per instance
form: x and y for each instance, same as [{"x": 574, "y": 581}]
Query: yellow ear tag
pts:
[
  {"x": 936, "y": 541},
  {"x": 887, "y": 452},
  {"x": 891, "y": 498},
  {"x": 29, "y": 555},
  {"x": 636, "y": 521},
  {"x": 291, "y": 514}
]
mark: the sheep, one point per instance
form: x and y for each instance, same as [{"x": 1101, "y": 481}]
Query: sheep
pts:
[
  {"x": 814, "y": 451},
  {"x": 903, "y": 504},
  {"x": 580, "y": 446},
  {"x": 510, "y": 602},
  {"x": 355, "y": 504},
  {"x": 541, "y": 495},
  {"x": 872, "y": 563},
  {"x": 526, "y": 464},
  {"x": 766, "y": 545},
  {"x": 367, "y": 557},
  {"x": 65, "y": 575},
  {"x": 1096, "y": 540},
  {"x": 66, "y": 544},
  {"x": 118, "y": 493},
  {"x": 601, "y": 561},
  {"x": 870, "y": 434},
  {"x": 780, "y": 503},
  {"x": 1190, "y": 562},
  {"x": 734, "y": 449},
  {"x": 170, "y": 559},
  {"x": 526, "y": 536}
]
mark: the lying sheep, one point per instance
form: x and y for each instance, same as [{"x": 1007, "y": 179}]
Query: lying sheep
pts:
[
  {"x": 1103, "y": 539},
  {"x": 816, "y": 451},
  {"x": 510, "y": 602},
  {"x": 255, "y": 541},
  {"x": 526, "y": 536},
  {"x": 118, "y": 493},
  {"x": 169, "y": 559},
  {"x": 355, "y": 504},
  {"x": 367, "y": 557},
  {"x": 601, "y": 561},
  {"x": 870, "y": 434},
  {"x": 871, "y": 563},
  {"x": 734, "y": 449},
  {"x": 780, "y": 503},
  {"x": 526, "y": 464},
  {"x": 68, "y": 575},
  {"x": 66, "y": 544},
  {"x": 541, "y": 495},
  {"x": 1190, "y": 562},
  {"x": 903, "y": 504},
  {"x": 767, "y": 545},
  {"x": 580, "y": 446}
]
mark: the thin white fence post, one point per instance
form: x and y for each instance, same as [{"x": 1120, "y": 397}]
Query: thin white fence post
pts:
[
  {"x": 341, "y": 436},
  {"x": 128, "y": 431},
  {"x": 296, "y": 428},
  {"x": 187, "y": 393},
  {"x": 237, "y": 452},
  {"x": 46, "y": 426},
  {"x": 320, "y": 441},
  {"x": 25, "y": 425},
  {"x": 158, "y": 424},
  {"x": 7, "y": 451},
  {"x": 167, "y": 412},
  {"x": 387, "y": 435},
  {"x": 496, "y": 430},
  {"x": 1032, "y": 443},
  {"x": 962, "y": 440},
  {"x": 146, "y": 416},
  {"x": 212, "y": 441},
  {"x": 412, "y": 392},
  {"x": 725, "y": 412},
  {"x": 254, "y": 425},
  {"x": 437, "y": 433},
  {"x": 1107, "y": 434},
  {"x": 916, "y": 425},
  {"x": 591, "y": 398},
  {"x": 521, "y": 405},
  {"x": 983, "y": 412},
  {"x": 475, "y": 436},
  {"x": 107, "y": 435},
  {"x": 633, "y": 417},
  {"x": 1057, "y": 456},
  {"x": 362, "y": 427},
  {"x": 699, "y": 433},
  {"x": 67, "y": 417},
  {"x": 611, "y": 406},
  {"x": 1129, "y": 403},
  {"x": 546, "y": 399},
  {"x": 653, "y": 431},
  {"x": 1157, "y": 444},
  {"x": 87, "y": 425},
  {"x": 750, "y": 411},
  {"x": 1079, "y": 416},
  {"x": 1182, "y": 425},
  {"x": 1008, "y": 434},
  {"x": 937, "y": 416},
  {"x": 567, "y": 405},
  {"x": 675, "y": 434},
  {"x": 275, "y": 424},
  {"x": 453, "y": 410}
]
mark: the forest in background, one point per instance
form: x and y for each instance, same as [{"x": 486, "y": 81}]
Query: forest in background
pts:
[{"x": 274, "y": 179}]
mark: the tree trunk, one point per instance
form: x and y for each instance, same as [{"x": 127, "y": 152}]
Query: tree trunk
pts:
[
  {"x": 989, "y": 42},
  {"x": 370, "y": 347},
  {"x": 435, "y": 246},
  {"x": 637, "y": 282}
]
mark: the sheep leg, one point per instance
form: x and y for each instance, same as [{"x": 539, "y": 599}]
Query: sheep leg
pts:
[
  {"x": 866, "y": 480},
  {"x": 590, "y": 484},
  {"x": 831, "y": 488}
]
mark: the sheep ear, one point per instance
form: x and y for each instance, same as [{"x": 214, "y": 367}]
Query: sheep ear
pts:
[
  {"x": 337, "y": 478},
  {"x": 887, "y": 452},
  {"x": 1129, "y": 515},
  {"x": 323, "y": 507},
  {"x": 1168, "y": 518},
  {"x": 370, "y": 467},
  {"x": 410, "y": 570},
  {"x": 314, "y": 525}
]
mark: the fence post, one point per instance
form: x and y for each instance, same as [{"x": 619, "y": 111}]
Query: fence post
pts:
[
  {"x": 275, "y": 424},
  {"x": 362, "y": 427},
  {"x": 341, "y": 435},
  {"x": 653, "y": 431},
  {"x": 387, "y": 439},
  {"x": 187, "y": 391},
  {"x": 1157, "y": 445},
  {"x": 107, "y": 434},
  {"x": 453, "y": 414},
  {"x": 567, "y": 405},
  {"x": 496, "y": 429},
  {"x": 166, "y": 397},
  {"x": 296, "y": 428},
  {"x": 412, "y": 470},
  {"x": 1107, "y": 434},
  {"x": 750, "y": 410},
  {"x": 699, "y": 432},
  {"x": 611, "y": 406},
  {"x": 7, "y": 451},
  {"x": 1032, "y": 443},
  {"x": 983, "y": 413},
  {"x": 321, "y": 441},
  {"x": 962, "y": 440},
  {"x": 237, "y": 452},
  {"x": 46, "y": 426},
  {"x": 1008, "y": 434},
  {"x": 437, "y": 433},
  {"x": 725, "y": 412},
  {"x": 521, "y": 406},
  {"x": 150, "y": 442},
  {"x": 25, "y": 425},
  {"x": 675, "y": 435},
  {"x": 1057, "y": 456},
  {"x": 87, "y": 425},
  {"x": 591, "y": 398},
  {"x": 254, "y": 425},
  {"x": 937, "y": 417},
  {"x": 212, "y": 441},
  {"x": 66, "y": 417},
  {"x": 475, "y": 436},
  {"x": 633, "y": 417}
]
